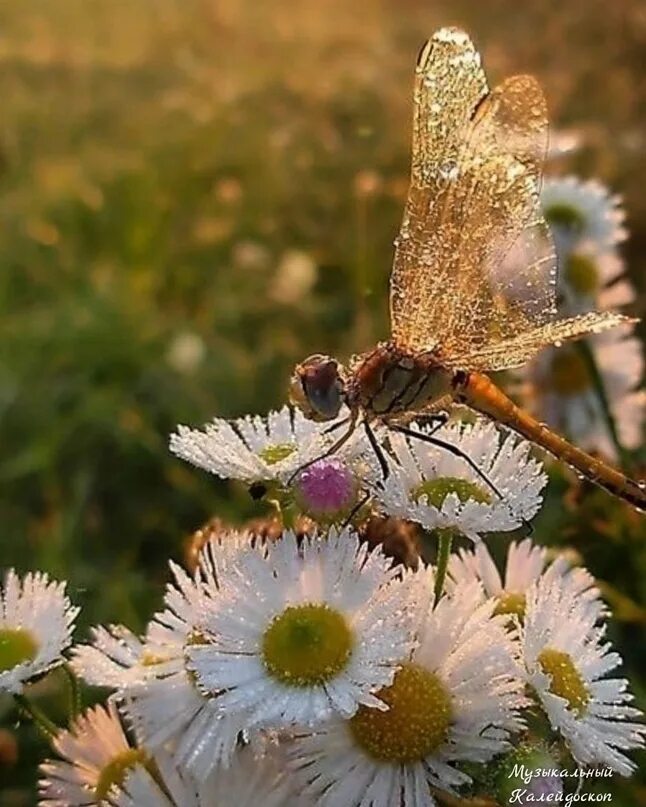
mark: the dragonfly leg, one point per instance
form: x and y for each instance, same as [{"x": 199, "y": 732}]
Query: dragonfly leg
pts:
[
  {"x": 427, "y": 437},
  {"x": 328, "y": 452},
  {"x": 438, "y": 420},
  {"x": 379, "y": 452},
  {"x": 338, "y": 425},
  {"x": 360, "y": 503}
]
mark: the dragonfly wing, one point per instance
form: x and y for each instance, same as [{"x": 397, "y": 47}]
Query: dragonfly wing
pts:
[
  {"x": 473, "y": 208},
  {"x": 449, "y": 84},
  {"x": 515, "y": 351}
]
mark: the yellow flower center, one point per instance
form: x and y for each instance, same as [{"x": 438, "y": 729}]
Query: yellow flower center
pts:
[
  {"x": 416, "y": 723},
  {"x": 569, "y": 374},
  {"x": 565, "y": 216},
  {"x": 17, "y": 645},
  {"x": 566, "y": 680},
  {"x": 277, "y": 452},
  {"x": 581, "y": 273},
  {"x": 307, "y": 645},
  {"x": 510, "y": 603},
  {"x": 149, "y": 659},
  {"x": 114, "y": 773},
  {"x": 436, "y": 491}
]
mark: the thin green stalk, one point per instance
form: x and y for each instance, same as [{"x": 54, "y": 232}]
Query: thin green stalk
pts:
[
  {"x": 445, "y": 540},
  {"x": 288, "y": 514},
  {"x": 591, "y": 363},
  {"x": 48, "y": 728},
  {"x": 74, "y": 694}
]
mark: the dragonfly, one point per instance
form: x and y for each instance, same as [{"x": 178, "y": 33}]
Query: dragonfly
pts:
[{"x": 473, "y": 283}]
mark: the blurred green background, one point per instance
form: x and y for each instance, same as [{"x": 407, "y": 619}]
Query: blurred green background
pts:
[{"x": 196, "y": 193}]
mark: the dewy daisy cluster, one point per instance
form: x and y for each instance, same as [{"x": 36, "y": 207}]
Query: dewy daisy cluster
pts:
[
  {"x": 562, "y": 385},
  {"x": 310, "y": 669}
]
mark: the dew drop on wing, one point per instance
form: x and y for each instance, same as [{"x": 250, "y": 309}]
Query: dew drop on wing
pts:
[{"x": 449, "y": 170}]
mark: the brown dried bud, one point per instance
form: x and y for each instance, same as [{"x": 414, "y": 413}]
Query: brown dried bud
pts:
[
  {"x": 271, "y": 528},
  {"x": 194, "y": 544},
  {"x": 399, "y": 539},
  {"x": 268, "y": 528}
]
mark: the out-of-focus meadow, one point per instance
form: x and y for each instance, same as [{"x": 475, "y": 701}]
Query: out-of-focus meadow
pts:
[{"x": 193, "y": 195}]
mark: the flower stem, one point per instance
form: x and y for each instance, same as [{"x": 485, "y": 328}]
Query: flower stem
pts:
[
  {"x": 74, "y": 695},
  {"x": 586, "y": 352},
  {"x": 48, "y": 728},
  {"x": 445, "y": 539}
]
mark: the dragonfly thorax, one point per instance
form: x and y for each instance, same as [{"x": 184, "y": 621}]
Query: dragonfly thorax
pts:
[{"x": 389, "y": 381}]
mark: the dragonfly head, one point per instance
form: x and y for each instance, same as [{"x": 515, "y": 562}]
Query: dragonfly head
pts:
[{"x": 317, "y": 388}]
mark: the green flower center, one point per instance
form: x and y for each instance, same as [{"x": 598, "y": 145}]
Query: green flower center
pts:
[
  {"x": 581, "y": 273},
  {"x": 17, "y": 645},
  {"x": 510, "y": 603},
  {"x": 277, "y": 452},
  {"x": 307, "y": 645},
  {"x": 114, "y": 773},
  {"x": 436, "y": 491},
  {"x": 566, "y": 679},
  {"x": 416, "y": 723},
  {"x": 565, "y": 216},
  {"x": 569, "y": 374}
]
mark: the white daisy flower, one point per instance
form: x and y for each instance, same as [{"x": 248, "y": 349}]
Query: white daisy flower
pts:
[
  {"x": 247, "y": 782},
  {"x": 252, "y": 449},
  {"x": 526, "y": 563},
  {"x": 116, "y": 658},
  {"x": 439, "y": 490},
  {"x": 36, "y": 624},
  {"x": 581, "y": 211},
  {"x": 96, "y": 757},
  {"x": 455, "y": 699},
  {"x": 304, "y": 631},
  {"x": 566, "y": 661},
  {"x": 273, "y": 449},
  {"x": 167, "y": 709},
  {"x": 561, "y": 391}
]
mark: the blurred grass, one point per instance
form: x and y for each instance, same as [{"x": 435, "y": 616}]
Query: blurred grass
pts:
[{"x": 158, "y": 164}]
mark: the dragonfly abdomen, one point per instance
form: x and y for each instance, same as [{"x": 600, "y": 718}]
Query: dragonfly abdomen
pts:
[
  {"x": 389, "y": 381},
  {"x": 479, "y": 393}
]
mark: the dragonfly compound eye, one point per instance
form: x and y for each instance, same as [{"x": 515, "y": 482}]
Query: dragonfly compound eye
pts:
[{"x": 317, "y": 388}]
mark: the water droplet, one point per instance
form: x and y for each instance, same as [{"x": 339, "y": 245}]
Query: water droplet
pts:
[{"x": 449, "y": 170}]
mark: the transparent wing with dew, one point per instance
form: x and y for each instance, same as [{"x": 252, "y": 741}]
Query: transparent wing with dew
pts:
[
  {"x": 515, "y": 351},
  {"x": 473, "y": 209}
]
